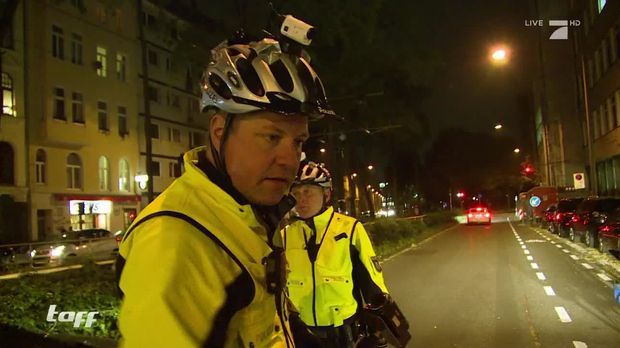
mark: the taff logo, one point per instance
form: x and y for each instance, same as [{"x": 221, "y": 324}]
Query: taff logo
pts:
[{"x": 561, "y": 33}]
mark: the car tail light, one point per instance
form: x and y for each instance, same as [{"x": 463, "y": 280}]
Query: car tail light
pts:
[
  {"x": 558, "y": 216},
  {"x": 605, "y": 228},
  {"x": 487, "y": 215},
  {"x": 470, "y": 215}
]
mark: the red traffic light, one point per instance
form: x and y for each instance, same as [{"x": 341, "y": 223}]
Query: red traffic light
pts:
[{"x": 529, "y": 169}]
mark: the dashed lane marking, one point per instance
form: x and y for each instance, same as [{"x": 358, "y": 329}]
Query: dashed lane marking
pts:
[
  {"x": 563, "y": 315},
  {"x": 549, "y": 291},
  {"x": 541, "y": 276}
]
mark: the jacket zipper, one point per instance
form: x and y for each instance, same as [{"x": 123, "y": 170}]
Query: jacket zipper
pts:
[{"x": 314, "y": 295}]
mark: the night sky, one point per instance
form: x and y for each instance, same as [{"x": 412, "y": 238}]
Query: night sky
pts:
[{"x": 468, "y": 91}]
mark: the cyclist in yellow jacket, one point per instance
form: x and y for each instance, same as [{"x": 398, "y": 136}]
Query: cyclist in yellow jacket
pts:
[
  {"x": 332, "y": 267},
  {"x": 198, "y": 266}
]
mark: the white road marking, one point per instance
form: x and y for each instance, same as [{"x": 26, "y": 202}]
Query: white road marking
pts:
[
  {"x": 521, "y": 243},
  {"x": 587, "y": 266},
  {"x": 604, "y": 277},
  {"x": 526, "y": 252},
  {"x": 552, "y": 242},
  {"x": 566, "y": 251},
  {"x": 558, "y": 245},
  {"x": 574, "y": 257},
  {"x": 523, "y": 247},
  {"x": 541, "y": 276},
  {"x": 563, "y": 314},
  {"x": 549, "y": 291},
  {"x": 530, "y": 258},
  {"x": 534, "y": 265},
  {"x": 579, "y": 344}
]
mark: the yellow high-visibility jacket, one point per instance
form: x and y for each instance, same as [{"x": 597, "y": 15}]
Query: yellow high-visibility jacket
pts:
[
  {"x": 323, "y": 270},
  {"x": 194, "y": 275}
]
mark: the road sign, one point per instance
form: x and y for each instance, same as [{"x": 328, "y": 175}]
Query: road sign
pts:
[
  {"x": 535, "y": 201},
  {"x": 579, "y": 181}
]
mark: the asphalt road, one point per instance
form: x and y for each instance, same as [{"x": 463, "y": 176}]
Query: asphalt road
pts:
[{"x": 505, "y": 285}]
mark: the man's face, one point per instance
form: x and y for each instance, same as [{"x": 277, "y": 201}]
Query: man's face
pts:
[
  {"x": 262, "y": 154},
  {"x": 309, "y": 200}
]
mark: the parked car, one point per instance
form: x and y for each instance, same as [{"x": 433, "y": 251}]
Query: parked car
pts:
[
  {"x": 480, "y": 215},
  {"x": 548, "y": 217},
  {"x": 562, "y": 219},
  {"x": 609, "y": 234},
  {"x": 14, "y": 257},
  {"x": 76, "y": 246},
  {"x": 591, "y": 214}
]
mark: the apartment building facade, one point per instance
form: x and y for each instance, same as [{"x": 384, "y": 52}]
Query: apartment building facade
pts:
[{"x": 82, "y": 97}]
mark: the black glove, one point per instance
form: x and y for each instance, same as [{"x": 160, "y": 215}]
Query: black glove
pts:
[{"x": 301, "y": 335}]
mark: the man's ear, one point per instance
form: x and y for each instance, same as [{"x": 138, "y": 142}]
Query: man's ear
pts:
[
  {"x": 327, "y": 193},
  {"x": 216, "y": 129}
]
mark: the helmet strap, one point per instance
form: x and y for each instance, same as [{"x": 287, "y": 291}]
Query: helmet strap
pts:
[{"x": 218, "y": 156}]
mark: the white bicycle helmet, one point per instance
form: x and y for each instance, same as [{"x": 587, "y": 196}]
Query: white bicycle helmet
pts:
[
  {"x": 312, "y": 173},
  {"x": 245, "y": 76}
]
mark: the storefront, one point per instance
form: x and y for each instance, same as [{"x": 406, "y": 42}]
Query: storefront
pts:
[{"x": 113, "y": 213}]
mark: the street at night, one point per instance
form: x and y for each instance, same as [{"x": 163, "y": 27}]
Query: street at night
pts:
[{"x": 505, "y": 285}]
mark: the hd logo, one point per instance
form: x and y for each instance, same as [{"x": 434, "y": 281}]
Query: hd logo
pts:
[{"x": 561, "y": 33}]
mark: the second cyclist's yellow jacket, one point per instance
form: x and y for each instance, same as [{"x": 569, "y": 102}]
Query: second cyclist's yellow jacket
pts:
[
  {"x": 193, "y": 272},
  {"x": 327, "y": 257}
]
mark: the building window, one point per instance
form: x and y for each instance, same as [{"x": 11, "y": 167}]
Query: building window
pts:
[
  {"x": 168, "y": 64},
  {"x": 196, "y": 139},
  {"x": 77, "y": 107},
  {"x": 122, "y": 121},
  {"x": 39, "y": 166},
  {"x": 102, "y": 61},
  {"x": 8, "y": 41},
  {"x": 597, "y": 130},
  {"x": 155, "y": 168},
  {"x": 174, "y": 135},
  {"x": 154, "y": 131},
  {"x": 617, "y": 107},
  {"x": 76, "y": 49},
  {"x": 7, "y": 163},
  {"x": 59, "y": 104},
  {"x": 8, "y": 96},
  {"x": 152, "y": 56},
  {"x": 58, "y": 43},
  {"x": 175, "y": 100},
  {"x": 605, "y": 54},
  {"x": 121, "y": 67},
  {"x": 74, "y": 171},
  {"x": 597, "y": 64},
  {"x": 174, "y": 169},
  {"x": 123, "y": 176},
  {"x": 104, "y": 174},
  {"x": 616, "y": 40},
  {"x": 611, "y": 46},
  {"x": 102, "y": 115},
  {"x": 153, "y": 94},
  {"x": 603, "y": 122},
  {"x": 611, "y": 111}
]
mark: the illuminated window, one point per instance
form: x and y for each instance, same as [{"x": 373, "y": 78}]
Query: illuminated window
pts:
[
  {"x": 102, "y": 61},
  {"x": 39, "y": 166},
  {"x": 74, "y": 171},
  {"x": 104, "y": 174},
  {"x": 8, "y": 97},
  {"x": 123, "y": 176}
]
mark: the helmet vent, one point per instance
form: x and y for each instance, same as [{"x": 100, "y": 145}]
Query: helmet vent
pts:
[
  {"x": 250, "y": 77},
  {"x": 282, "y": 75}
]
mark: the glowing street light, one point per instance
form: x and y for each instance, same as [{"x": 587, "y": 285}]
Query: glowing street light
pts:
[
  {"x": 354, "y": 175},
  {"x": 370, "y": 167},
  {"x": 517, "y": 150},
  {"x": 498, "y": 126},
  {"x": 322, "y": 150},
  {"x": 499, "y": 55}
]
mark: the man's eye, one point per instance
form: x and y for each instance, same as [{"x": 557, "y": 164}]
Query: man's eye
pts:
[{"x": 273, "y": 137}]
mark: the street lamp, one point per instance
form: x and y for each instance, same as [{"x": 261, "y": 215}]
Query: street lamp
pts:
[
  {"x": 498, "y": 126},
  {"x": 354, "y": 175},
  {"x": 370, "y": 167},
  {"x": 322, "y": 150},
  {"x": 499, "y": 55},
  {"x": 517, "y": 150}
]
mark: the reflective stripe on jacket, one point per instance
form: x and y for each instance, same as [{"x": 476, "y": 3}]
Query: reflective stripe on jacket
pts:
[
  {"x": 180, "y": 284},
  {"x": 323, "y": 270}
]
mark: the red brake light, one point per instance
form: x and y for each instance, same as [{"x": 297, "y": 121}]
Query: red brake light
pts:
[
  {"x": 558, "y": 216},
  {"x": 575, "y": 218},
  {"x": 470, "y": 215},
  {"x": 605, "y": 228},
  {"x": 487, "y": 215}
]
